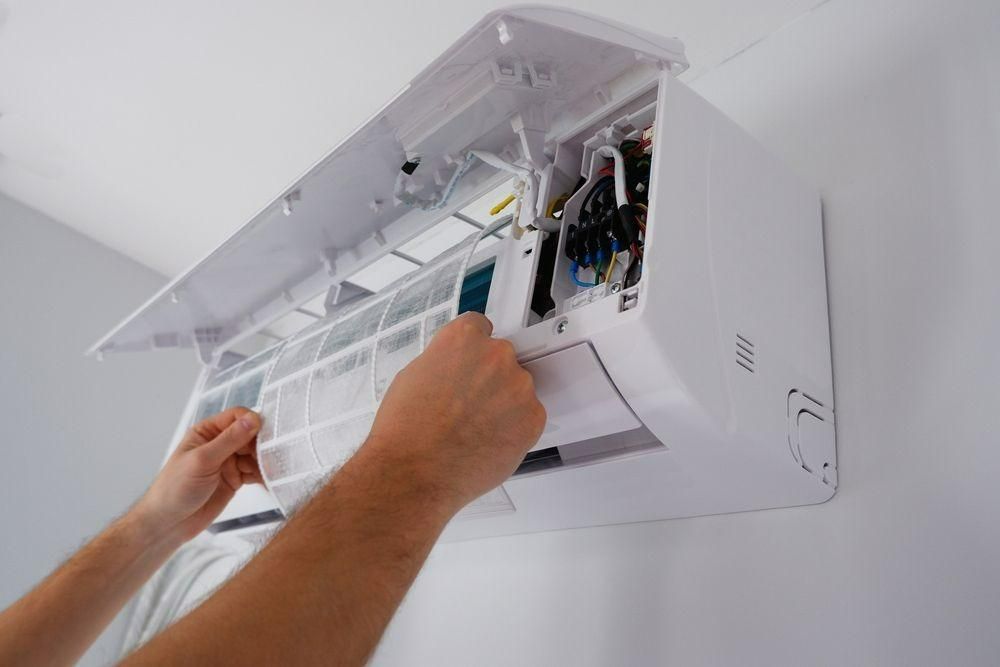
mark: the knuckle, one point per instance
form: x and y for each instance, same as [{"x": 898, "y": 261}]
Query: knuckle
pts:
[
  {"x": 539, "y": 414},
  {"x": 465, "y": 326},
  {"x": 529, "y": 378},
  {"x": 526, "y": 382},
  {"x": 474, "y": 319},
  {"x": 507, "y": 347},
  {"x": 456, "y": 333},
  {"x": 450, "y": 329},
  {"x": 502, "y": 351}
]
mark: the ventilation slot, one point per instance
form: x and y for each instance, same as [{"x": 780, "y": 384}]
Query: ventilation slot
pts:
[
  {"x": 594, "y": 450},
  {"x": 248, "y": 521},
  {"x": 745, "y": 353}
]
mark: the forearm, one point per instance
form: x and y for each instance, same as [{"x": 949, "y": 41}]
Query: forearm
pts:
[
  {"x": 56, "y": 622},
  {"x": 325, "y": 588}
]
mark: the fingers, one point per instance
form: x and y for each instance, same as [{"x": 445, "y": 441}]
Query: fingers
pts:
[
  {"x": 238, "y": 435},
  {"x": 246, "y": 464},
  {"x": 239, "y": 470},
  {"x": 481, "y": 322},
  {"x": 231, "y": 474},
  {"x": 211, "y": 427}
]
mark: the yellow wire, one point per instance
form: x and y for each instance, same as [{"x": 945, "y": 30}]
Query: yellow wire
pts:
[
  {"x": 550, "y": 210},
  {"x": 611, "y": 267},
  {"x": 502, "y": 205}
]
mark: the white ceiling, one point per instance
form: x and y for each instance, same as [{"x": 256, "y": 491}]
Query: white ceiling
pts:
[{"x": 159, "y": 128}]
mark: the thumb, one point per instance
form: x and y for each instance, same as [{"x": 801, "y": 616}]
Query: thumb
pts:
[{"x": 236, "y": 436}]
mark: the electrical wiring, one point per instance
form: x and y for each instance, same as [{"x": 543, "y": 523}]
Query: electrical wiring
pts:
[
  {"x": 642, "y": 220},
  {"x": 620, "y": 193},
  {"x": 504, "y": 203},
  {"x": 556, "y": 206},
  {"x": 498, "y": 162},
  {"x": 599, "y": 187},
  {"x": 611, "y": 267},
  {"x": 498, "y": 224},
  {"x": 574, "y": 267},
  {"x": 527, "y": 187},
  {"x": 550, "y": 208},
  {"x": 551, "y": 222},
  {"x": 613, "y": 215},
  {"x": 634, "y": 264}
]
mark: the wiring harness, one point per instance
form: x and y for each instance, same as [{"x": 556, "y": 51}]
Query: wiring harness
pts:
[{"x": 611, "y": 225}]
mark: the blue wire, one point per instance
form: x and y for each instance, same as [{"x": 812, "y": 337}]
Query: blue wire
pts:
[{"x": 572, "y": 274}]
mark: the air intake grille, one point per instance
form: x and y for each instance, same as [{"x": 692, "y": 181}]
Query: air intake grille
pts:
[{"x": 746, "y": 355}]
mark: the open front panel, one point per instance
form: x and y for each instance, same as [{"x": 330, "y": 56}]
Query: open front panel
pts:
[{"x": 512, "y": 87}]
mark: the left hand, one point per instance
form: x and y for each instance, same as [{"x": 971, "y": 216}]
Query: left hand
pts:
[{"x": 215, "y": 458}]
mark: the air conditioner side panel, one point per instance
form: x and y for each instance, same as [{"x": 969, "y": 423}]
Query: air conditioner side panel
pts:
[{"x": 734, "y": 254}]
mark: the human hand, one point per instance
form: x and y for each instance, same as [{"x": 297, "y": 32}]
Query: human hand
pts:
[
  {"x": 461, "y": 416},
  {"x": 215, "y": 458}
]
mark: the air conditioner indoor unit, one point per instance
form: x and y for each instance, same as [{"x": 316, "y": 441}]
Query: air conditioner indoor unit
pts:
[{"x": 660, "y": 274}]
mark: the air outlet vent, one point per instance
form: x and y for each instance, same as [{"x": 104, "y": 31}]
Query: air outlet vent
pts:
[{"x": 745, "y": 353}]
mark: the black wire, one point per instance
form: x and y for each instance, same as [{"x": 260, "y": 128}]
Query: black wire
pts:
[
  {"x": 633, "y": 263},
  {"x": 600, "y": 185}
]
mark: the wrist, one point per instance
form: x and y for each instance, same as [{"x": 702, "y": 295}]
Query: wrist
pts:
[
  {"x": 414, "y": 481},
  {"x": 150, "y": 528}
]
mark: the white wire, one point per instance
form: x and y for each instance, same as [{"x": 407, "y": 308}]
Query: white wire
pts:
[
  {"x": 495, "y": 160},
  {"x": 610, "y": 151}
]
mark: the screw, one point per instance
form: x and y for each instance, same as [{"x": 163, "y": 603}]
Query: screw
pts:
[
  {"x": 616, "y": 287},
  {"x": 561, "y": 327}
]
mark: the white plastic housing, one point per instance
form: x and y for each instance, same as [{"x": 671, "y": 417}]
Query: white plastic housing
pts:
[{"x": 704, "y": 388}]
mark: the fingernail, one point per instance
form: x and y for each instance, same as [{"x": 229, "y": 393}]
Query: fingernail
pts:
[{"x": 248, "y": 422}]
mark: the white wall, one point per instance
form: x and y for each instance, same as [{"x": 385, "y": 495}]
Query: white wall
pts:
[
  {"x": 893, "y": 109},
  {"x": 80, "y": 439}
]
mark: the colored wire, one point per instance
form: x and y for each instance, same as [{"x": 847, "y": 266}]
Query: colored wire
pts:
[
  {"x": 556, "y": 205},
  {"x": 611, "y": 267},
  {"x": 503, "y": 204},
  {"x": 526, "y": 189},
  {"x": 621, "y": 198},
  {"x": 572, "y": 274}
]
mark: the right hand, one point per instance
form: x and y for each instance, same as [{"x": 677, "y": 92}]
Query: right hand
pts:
[{"x": 461, "y": 416}]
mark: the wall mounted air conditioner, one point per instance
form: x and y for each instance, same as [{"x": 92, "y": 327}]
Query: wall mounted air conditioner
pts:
[{"x": 674, "y": 319}]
